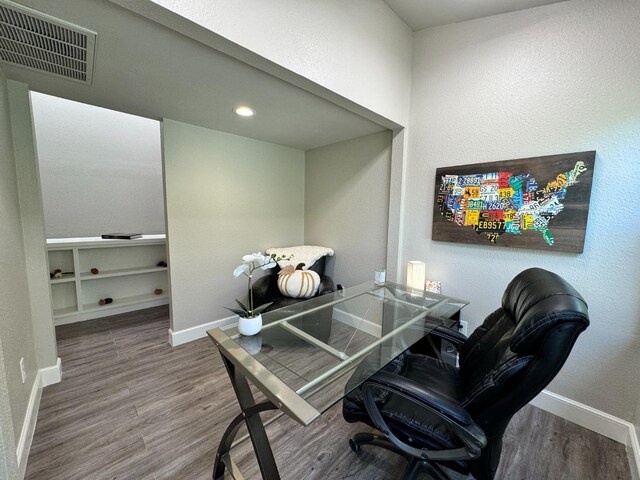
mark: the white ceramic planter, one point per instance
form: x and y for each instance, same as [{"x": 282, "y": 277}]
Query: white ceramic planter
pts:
[
  {"x": 250, "y": 326},
  {"x": 252, "y": 344}
]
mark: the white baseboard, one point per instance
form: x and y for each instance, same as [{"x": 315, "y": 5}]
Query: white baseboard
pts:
[
  {"x": 51, "y": 375},
  {"x": 180, "y": 337},
  {"x": 594, "y": 420},
  {"x": 633, "y": 449},
  {"x": 109, "y": 310},
  {"x": 583, "y": 415},
  {"x": 44, "y": 377},
  {"x": 355, "y": 321},
  {"x": 29, "y": 425}
]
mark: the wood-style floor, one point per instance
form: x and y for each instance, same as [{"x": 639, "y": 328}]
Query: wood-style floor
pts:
[{"x": 131, "y": 407}]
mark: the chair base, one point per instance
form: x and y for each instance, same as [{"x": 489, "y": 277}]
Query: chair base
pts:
[{"x": 414, "y": 468}]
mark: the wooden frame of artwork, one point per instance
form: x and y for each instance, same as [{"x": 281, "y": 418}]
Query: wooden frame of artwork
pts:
[{"x": 539, "y": 202}]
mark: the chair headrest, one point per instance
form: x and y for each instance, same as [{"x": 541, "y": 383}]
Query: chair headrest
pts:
[{"x": 538, "y": 301}]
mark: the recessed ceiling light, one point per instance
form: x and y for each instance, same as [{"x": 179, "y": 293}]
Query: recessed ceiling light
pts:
[{"x": 244, "y": 111}]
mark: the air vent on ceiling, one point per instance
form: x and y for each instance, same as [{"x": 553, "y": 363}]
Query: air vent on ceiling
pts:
[{"x": 36, "y": 41}]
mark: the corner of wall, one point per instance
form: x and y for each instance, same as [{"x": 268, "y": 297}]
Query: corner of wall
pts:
[
  {"x": 32, "y": 219},
  {"x": 395, "y": 239}
]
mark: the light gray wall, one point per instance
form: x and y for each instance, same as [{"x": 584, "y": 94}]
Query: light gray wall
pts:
[
  {"x": 8, "y": 467},
  {"x": 16, "y": 332},
  {"x": 347, "y": 204},
  {"x": 637, "y": 419},
  {"x": 101, "y": 170},
  {"x": 560, "y": 78},
  {"x": 226, "y": 196},
  {"x": 359, "y": 49}
]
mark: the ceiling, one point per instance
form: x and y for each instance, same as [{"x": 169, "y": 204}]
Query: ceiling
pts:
[
  {"x": 146, "y": 69},
  {"x": 419, "y": 14}
]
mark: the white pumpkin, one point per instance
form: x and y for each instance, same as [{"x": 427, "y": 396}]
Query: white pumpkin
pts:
[{"x": 298, "y": 283}]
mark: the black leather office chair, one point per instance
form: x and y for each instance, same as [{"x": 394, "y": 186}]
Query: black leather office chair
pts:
[{"x": 434, "y": 413}]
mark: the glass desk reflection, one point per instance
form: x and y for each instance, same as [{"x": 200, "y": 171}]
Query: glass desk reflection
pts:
[{"x": 305, "y": 357}]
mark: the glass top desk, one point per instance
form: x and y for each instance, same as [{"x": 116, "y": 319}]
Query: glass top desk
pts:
[{"x": 305, "y": 355}]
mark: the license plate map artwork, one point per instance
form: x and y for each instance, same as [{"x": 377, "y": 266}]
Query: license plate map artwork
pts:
[{"x": 516, "y": 203}]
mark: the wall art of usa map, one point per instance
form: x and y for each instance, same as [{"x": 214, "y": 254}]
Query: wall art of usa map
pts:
[{"x": 539, "y": 202}]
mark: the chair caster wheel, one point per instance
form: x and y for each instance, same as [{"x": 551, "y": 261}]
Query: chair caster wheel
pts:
[{"x": 354, "y": 446}]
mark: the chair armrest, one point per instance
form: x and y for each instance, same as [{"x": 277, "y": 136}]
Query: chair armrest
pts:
[
  {"x": 326, "y": 285},
  {"x": 449, "y": 334},
  {"x": 461, "y": 423},
  {"x": 428, "y": 347},
  {"x": 262, "y": 290},
  {"x": 422, "y": 394}
]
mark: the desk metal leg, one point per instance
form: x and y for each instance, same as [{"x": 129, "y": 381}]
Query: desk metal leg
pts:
[{"x": 250, "y": 414}]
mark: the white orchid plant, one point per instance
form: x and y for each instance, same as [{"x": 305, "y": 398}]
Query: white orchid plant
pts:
[{"x": 251, "y": 263}]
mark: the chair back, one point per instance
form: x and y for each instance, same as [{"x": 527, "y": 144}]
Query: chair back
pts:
[
  {"x": 516, "y": 353},
  {"x": 319, "y": 267}
]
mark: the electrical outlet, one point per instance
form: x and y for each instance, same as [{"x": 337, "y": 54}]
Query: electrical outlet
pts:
[
  {"x": 23, "y": 372},
  {"x": 463, "y": 328}
]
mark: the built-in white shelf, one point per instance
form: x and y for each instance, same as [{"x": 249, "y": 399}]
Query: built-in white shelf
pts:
[
  {"x": 86, "y": 242},
  {"x": 128, "y": 272},
  {"x": 124, "y": 301},
  {"x": 66, "y": 277},
  {"x": 65, "y": 312},
  {"x": 118, "y": 272}
]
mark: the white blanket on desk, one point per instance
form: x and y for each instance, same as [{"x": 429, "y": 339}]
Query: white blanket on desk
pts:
[{"x": 307, "y": 254}]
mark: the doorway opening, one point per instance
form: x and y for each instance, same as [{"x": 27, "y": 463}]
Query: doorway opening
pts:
[{"x": 100, "y": 174}]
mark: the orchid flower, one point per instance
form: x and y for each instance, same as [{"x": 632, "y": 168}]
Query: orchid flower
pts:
[
  {"x": 253, "y": 257},
  {"x": 240, "y": 269},
  {"x": 251, "y": 263}
]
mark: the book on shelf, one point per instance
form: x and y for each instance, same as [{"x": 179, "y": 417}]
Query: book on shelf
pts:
[{"x": 121, "y": 236}]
